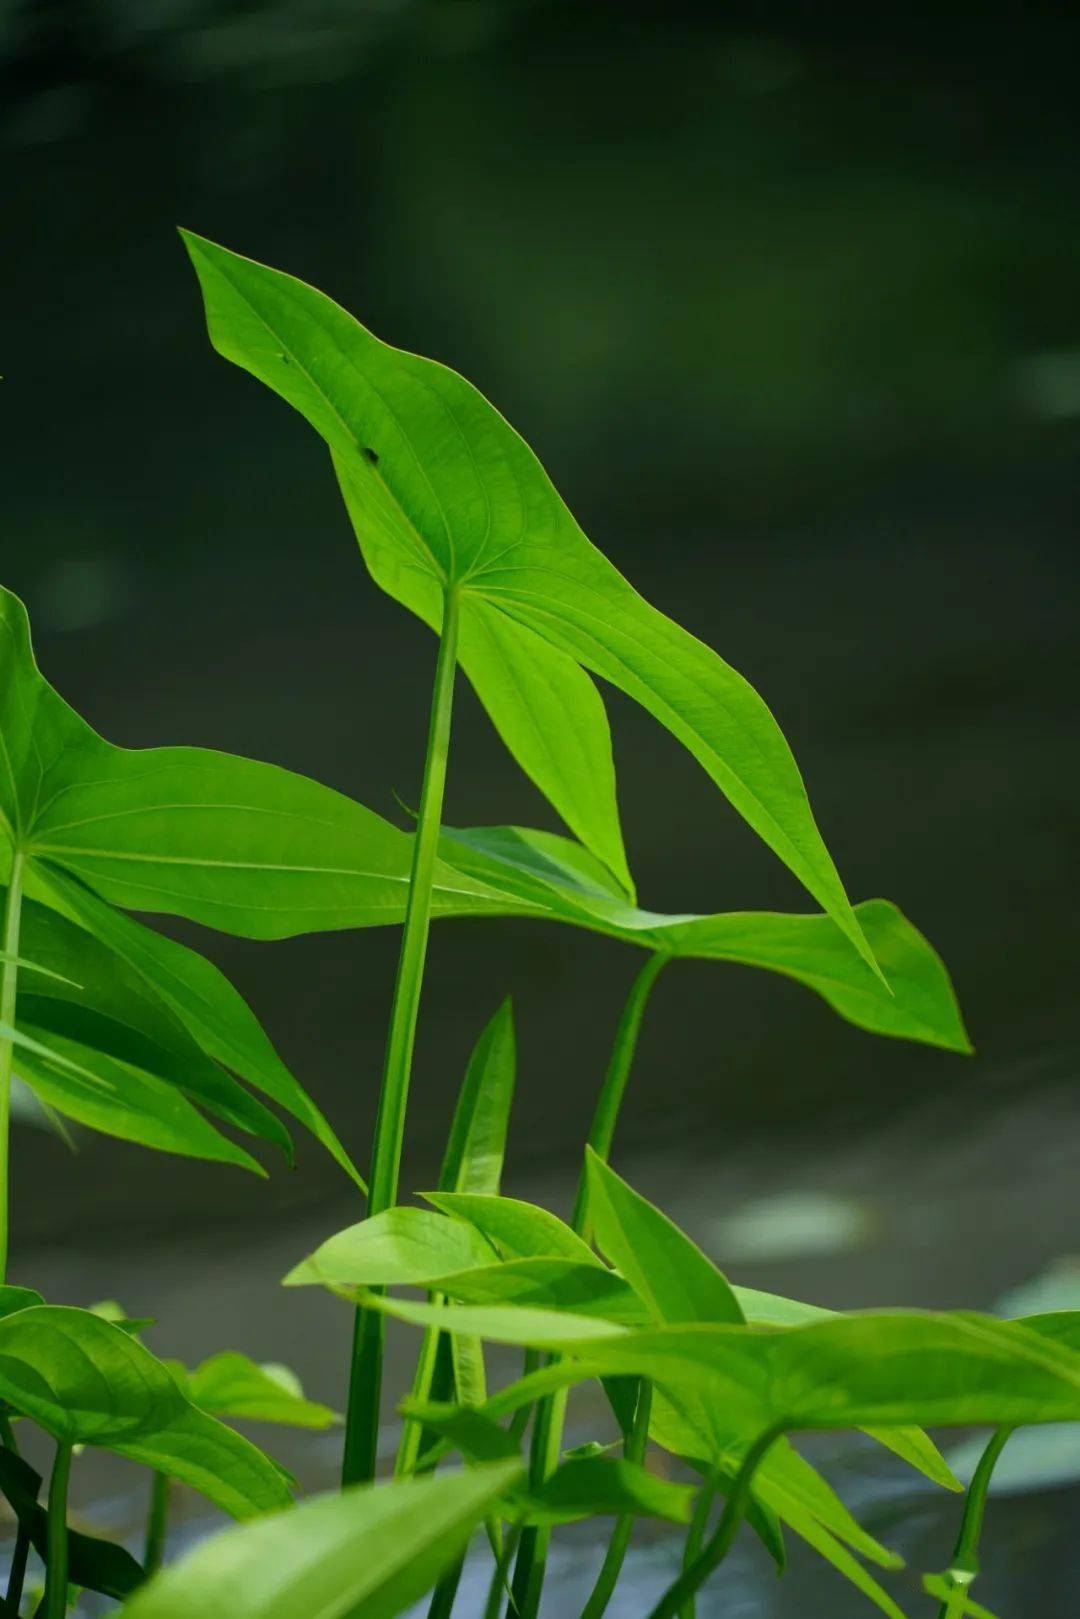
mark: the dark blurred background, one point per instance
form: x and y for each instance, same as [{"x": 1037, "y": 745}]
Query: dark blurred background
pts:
[{"x": 787, "y": 302}]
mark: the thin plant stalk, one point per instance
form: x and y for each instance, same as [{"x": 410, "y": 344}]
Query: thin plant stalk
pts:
[
  {"x": 712, "y": 1554},
  {"x": 497, "y": 1589},
  {"x": 611, "y": 1567},
  {"x": 157, "y": 1522},
  {"x": 412, "y": 1431},
  {"x": 54, "y": 1604},
  {"x": 445, "y": 1593},
  {"x": 548, "y": 1429},
  {"x": 612, "y": 1091},
  {"x": 965, "y": 1559},
  {"x": 365, "y": 1383},
  {"x": 9, "y": 975},
  {"x": 695, "y": 1538},
  {"x": 17, "y": 1573}
]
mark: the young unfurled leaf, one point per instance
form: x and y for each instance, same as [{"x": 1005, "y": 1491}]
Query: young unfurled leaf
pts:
[
  {"x": 444, "y": 494},
  {"x": 548, "y": 873},
  {"x": 87, "y": 1381},
  {"x": 669, "y": 1273},
  {"x": 476, "y": 1145},
  {"x": 93, "y": 1564},
  {"x": 401, "y": 1246},
  {"x": 232, "y": 1385},
  {"x": 367, "y": 1553}
]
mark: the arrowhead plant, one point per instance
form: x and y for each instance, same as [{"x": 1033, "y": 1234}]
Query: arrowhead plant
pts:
[{"x": 120, "y": 1029}]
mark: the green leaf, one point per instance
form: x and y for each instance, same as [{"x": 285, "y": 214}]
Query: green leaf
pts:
[
  {"x": 669, "y": 1273},
  {"x": 200, "y": 998},
  {"x": 476, "y": 1146},
  {"x": 245, "y": 847},
  {"x": 87, "y": 1381},
  {"x": 117, "y": 1098},
  {"x": 81, "y": 1378},
  {"x": 517, "y": 1229},
  {"x": 442, "y": 491},
  {"x": 17, "y": 1298},
  {"x": 547, "y": 872},
  {"x": 1060, "y": 1326},
  {"x": 911, "y": 1445},
  {"x": 232, "y": 1385},
  {"x": 604, "y": 1485},
  {"x": 198, "y": 1450},
  {"x": 547, "y": 1284},
  {"x": 401, "y": 1246},
  {"x": 468, "y": 1430},
  {"x": 364, "y": 1554},
  {"x": 93, "y": 1564},
  {"x": 502, "y": 1323}
]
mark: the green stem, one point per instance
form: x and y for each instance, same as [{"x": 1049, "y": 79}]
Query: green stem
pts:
[
  {"x": 54, "y": 1604},
  {"x": 444, "y": 1594},
  {"x": 497, "y": 1589},
  {"x": 412, "y": 1431},
  {"x": 547, "y": 1431},
  {"x": 611, "y": 1567},
  {"x": 533, "y": 1550},
  {"x": 157, "y": 1522},
  {"x": 713, "y": 1553},
  {"x": 965, "y": 1559},
  {"x": 365, "y": 1383},
  {"x": 612, "y": 1091},
  {"x": 9, "y": 975},
  {"x": 696, "y": 1535}
]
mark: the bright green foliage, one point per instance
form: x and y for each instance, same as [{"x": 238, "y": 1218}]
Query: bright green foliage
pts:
[
  {"x": 88, "y": 1382},
  {"x": 364, "y": 1554},
  {"x": 244, "y": 847},
  {"x": 232, "y": 1385},
  {"x": 517, "y": 1229},
  {"x": 476, "y": 1145},
  {"x": 404, "y": 1246},
  {"x": 559, "y": 879},
  {"x": 443, "y": 493}
]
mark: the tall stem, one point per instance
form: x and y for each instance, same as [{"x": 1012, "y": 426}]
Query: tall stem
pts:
[
  {"x": 677, "y": 1595},
  {"x": 157, "y": 1523},
  {"x": 365, "y": 1384},
  {"x": 54, "y": 1605},
  {"x": 548, "y": 1428},
  {"x": 696, "y": 1537},
  {"x": 611, "y": 1567},
  {"x": 8, "y": 991},
  {"x": 612, "y": 1091},
  {"x": 965, "y": 1559}
]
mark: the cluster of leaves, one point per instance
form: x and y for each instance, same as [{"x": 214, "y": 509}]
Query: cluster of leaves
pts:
[{"x": 125, "y": 1031}]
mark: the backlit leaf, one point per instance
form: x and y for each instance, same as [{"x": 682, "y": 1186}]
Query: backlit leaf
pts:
[
  {"x": 402, "y": 1246},
  {"x": 364, "y": 1554},
  {"x": 444, "y": 493}
]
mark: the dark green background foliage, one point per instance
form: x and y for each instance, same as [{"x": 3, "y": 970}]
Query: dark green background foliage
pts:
[{"x": 787, "y": 306}]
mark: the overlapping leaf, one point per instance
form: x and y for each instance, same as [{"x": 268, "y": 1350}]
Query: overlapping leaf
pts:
[
  {"x": 364, "y": 1554},
  {"x": 444, "y": 494},
  {"x": 558, "y": 878},
  {"x": 245, "y": 847},
  {"x": 86, "y": 1381}
]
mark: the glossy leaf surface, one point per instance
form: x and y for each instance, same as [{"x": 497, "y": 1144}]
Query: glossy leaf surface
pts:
[
  {"x": 402, "y": 1246},
  {"x": 443, "y": 493}
]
